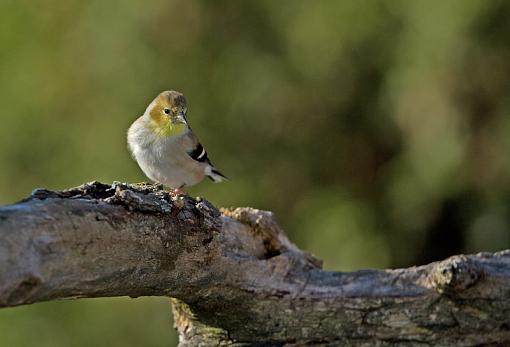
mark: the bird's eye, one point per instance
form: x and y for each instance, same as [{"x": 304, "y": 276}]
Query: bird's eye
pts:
[{"x": 167, "y": 111}]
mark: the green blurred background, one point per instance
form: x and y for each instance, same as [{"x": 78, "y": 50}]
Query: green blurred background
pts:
[{"x": 377, "y": 131}]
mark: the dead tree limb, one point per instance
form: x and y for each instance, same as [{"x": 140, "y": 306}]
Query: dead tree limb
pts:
[{"x": 235, "y": 278}]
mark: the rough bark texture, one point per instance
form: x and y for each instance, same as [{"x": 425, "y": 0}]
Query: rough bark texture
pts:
[{"x": 235, "y": 278}]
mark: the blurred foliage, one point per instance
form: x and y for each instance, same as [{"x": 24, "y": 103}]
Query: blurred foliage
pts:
[
  {"x": 378, "y": 131},
  {"x": 89, "y": 322}
]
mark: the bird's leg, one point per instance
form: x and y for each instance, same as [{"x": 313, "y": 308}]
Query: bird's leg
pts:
[{"x": 177, "y": 191}]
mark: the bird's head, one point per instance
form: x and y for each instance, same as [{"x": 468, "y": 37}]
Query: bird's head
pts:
[{"x": 167, "y": 113}]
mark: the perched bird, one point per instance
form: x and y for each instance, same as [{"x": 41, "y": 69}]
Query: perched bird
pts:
[{"x": 166, "y": 149}]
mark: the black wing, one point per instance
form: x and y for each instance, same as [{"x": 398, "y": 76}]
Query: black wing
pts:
[{"x": 199, "y": 154}]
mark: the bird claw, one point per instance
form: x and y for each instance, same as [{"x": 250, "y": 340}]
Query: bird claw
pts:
[
  {"x": 177, "y": 197},
  {"x": 176, "y": 192}
]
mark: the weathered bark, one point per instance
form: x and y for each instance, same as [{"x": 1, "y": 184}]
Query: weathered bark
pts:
[{"x": 235, "y": 277}]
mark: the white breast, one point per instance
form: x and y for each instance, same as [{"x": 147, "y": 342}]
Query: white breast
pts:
[{"x": 164, "y": 159}]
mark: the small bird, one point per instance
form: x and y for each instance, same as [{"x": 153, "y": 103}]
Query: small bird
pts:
[{"x": 166, "y": 149}]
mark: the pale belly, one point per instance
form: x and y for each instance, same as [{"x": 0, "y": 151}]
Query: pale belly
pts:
[{"x": 170, "y": 169}]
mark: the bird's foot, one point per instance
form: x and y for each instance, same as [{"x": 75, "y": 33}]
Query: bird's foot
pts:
[
  {"x": 176, "y": 192},
  {"x": 177, "y": 197}
]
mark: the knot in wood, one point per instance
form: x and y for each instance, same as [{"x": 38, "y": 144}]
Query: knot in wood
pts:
[
  {"x": 455, "y": 274},
  {"x": 263, "y": 226}
]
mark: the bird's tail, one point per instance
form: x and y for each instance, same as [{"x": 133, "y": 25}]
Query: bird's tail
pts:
[{"x": 214, "y": 175}]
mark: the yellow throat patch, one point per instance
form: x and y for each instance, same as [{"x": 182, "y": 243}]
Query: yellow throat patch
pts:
[{"x": 163, "y": 126}]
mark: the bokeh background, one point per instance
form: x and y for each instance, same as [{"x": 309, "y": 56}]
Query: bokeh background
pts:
[{"x": 377, "y": 131}]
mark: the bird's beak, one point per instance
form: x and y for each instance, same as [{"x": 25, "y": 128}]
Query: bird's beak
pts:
[{"x": 180, "y": 118}]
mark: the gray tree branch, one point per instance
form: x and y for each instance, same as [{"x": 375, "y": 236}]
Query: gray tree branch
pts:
[{"x": 235, "y": 278}]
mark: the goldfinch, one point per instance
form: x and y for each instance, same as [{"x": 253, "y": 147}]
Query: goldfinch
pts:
[{"x": 165, "y": 148}]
